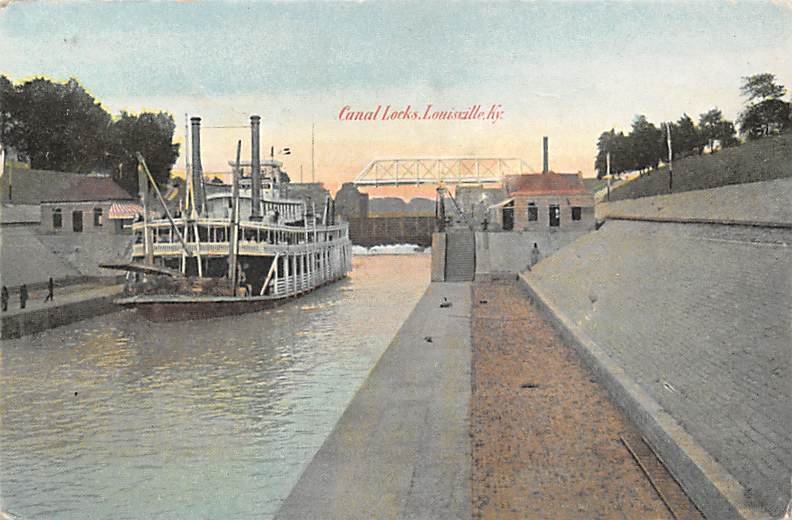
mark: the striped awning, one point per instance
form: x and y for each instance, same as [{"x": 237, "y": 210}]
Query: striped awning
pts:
[{"x": 120, "y": 210}]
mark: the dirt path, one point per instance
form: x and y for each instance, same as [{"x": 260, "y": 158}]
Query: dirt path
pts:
[{"x": 545, "y": 436}]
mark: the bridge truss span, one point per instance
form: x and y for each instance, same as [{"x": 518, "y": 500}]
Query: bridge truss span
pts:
[{"x": 439, "y": 170}]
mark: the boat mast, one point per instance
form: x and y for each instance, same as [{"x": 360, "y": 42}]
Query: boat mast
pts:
[
  {"x": 313, "y": 142},
  {"x": 199, "y": 198},
  {"x": 255, "y": 174},
  {"x": 234, "y": 224},
  {"x": 148, "y": 247},
  {"x": 188, "y": 205},
  {"x": 142, "y": 165}
]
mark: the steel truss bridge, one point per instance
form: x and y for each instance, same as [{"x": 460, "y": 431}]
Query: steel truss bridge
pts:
[{"x": 439, "y": 170}]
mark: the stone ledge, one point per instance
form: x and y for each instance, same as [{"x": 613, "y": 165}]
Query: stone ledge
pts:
[
  {"x": 679, "y": 220},
  {"x": 401, "y": 449},
  {"x": 713, "y": 489},
  {"x": 30, "y": 321}
]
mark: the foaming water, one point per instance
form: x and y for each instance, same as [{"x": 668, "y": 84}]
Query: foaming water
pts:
[{"x": 117, "y": 417}]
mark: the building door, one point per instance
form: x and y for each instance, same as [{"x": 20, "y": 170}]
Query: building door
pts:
[
  {"x": 555, "y": 215},
  {"x": 508, "y": 216},
  {"x": 77, "y": 223}
]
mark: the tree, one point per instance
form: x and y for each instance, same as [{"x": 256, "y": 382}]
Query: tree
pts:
[
  {"x": 59, "y": 126},
  {"x": 618, "y": 145},
  {"x": 761, "y": 87},
  {"x": 716, "y": 129},
  {"x": 771, "y": 116},
  {"x": 687, "y": 139},
  {"x": 148, "y": 133},
  {"x": 766, "y": 113},
  {"x": 6, "y": 97},
  {"x": 647, "y": 143}
]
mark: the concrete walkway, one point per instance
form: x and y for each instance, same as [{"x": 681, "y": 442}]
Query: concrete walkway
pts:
[
  {"x": 72, "y": 303},
  {"x": 63, "y": 296},
  {"x": 402, "y": 448}
]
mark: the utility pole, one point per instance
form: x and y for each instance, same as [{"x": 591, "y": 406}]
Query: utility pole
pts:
[
  {"x": 608, "y": 172},
  {"x": 670, "y": 159}
]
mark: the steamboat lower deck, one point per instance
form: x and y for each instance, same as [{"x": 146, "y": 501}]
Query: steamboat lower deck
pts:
[{"x": 192, "y": 307}]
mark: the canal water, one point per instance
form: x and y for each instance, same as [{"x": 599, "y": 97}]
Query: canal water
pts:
[{"x": 117, "y": 417}]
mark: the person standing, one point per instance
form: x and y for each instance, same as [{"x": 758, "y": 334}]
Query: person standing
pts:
[
  {"x": 50, "y": 291},
  {"x": 23, "y": 296},
  {"x": 4, "y": 295},
  {"x": 535, "y": 255}
]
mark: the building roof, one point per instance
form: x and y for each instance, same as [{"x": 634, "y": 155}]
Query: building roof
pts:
[
  {"x": 545, "y": 184},
  {"x": 85, "y": 188}
]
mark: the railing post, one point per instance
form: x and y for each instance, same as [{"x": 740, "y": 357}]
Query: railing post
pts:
[
  {"x": 287, "y": 281},
  {"x": 277, "y": 276},
  {"x": 294, "y": 272}
]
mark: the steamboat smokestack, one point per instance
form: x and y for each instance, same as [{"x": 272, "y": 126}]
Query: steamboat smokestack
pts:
[
  {"x": 545, "y": 158},
  {"x": 255, "y": 166},
  {"x": 197, "y": 169}
]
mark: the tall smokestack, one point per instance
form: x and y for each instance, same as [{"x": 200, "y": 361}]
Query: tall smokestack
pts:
[
  {"x": 255, "y": 166},
  {"x": 197, "y": 170},
  {"x": 545, "y": 158}
]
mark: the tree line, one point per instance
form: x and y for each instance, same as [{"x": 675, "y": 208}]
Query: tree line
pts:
[
  {"x": 60, "y": 126},
  {"x": 645, "y": 146}
]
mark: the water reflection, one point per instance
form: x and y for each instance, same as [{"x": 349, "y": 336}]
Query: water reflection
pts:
[{"x": 117, "y": 417}]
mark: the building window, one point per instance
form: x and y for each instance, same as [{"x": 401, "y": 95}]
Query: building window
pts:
[
  {"x": 508, "y": 216},
  {"x": 575, "y": 212},
  {"x": 57, "y": 218},
  {"x": 77, "y": 223},
  {"x": 533, "y": 212},
  {"x": 97, "y": 217},
  {"x": 555, "y": 215}
]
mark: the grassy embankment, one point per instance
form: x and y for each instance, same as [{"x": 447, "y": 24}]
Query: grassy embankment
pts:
[{"x": 762, "y": 160}]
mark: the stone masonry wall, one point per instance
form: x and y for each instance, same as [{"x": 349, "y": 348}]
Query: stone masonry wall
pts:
[{"x": 700, "y": 316}]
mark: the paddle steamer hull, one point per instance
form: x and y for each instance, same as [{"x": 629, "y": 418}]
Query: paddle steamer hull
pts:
[{"x": 184, "y": 308}]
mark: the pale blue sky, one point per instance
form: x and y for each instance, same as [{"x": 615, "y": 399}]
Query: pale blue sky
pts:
[{"x": 569, "y": 70}]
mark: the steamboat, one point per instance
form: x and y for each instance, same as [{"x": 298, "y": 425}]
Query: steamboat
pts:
[{"x": 234, "y": 248}]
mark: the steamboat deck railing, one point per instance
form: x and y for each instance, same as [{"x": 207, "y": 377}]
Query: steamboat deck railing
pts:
[
  {"x": 304, "y": 257},
  {"x": 245, "y": 248}
]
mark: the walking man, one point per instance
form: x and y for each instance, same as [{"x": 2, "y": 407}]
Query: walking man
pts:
[
  {"x": 23, "y": 296},
  {"x": 4, "y": 294},
  {"x": 50, "y": 291}
]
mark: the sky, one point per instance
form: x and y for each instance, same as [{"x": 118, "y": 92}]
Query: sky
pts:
[{"x": 568, "y": 70}]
